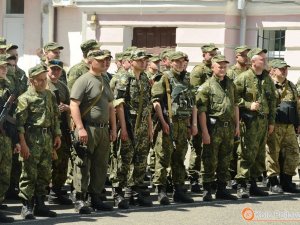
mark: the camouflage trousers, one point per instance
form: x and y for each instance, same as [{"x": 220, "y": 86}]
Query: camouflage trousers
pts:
[
  {"x": 216, "y": 156},
  {"x": 167, "y": 156},
  {"x": 157, "y": 144},
  {"x": 195, "y": 157},
  {"x": 60, "y": 166},
  {"x": 5, "y": 164},
  {"x": 283, "y": 152},
  {"x": 130, "y": 165},
  {"x": 36, "y": 170},
  {"x": 89, "y": 172},
  {"x": 251, "y": 151}
]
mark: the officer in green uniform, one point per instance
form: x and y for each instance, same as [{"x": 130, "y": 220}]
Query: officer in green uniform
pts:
[
  {"x": 2, "y": 45},
  {"x": 82, "y": 67},
  {"x": 257, "y": 100},
  {"x": 60, "y": 165},
  {"x": 52, "y": 51},
  {"x": 133, "y": 107},
  {"x": 198, "y": 76},
  {"x": 94, "y": 116},
  {"x": 283, "y": 153},
  {"x": 241, "y": 65},
  {"x": 39, "y": 133},
  {"x": 181, "y": 102},
  {"x": 219, "y": 120},
  {"x": 165, "y": 61},
  {"x": 118, "y": 60},
  {"x": 6, "y": 146}
]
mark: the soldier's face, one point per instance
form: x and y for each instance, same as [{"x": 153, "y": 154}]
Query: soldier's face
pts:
[
  {"x": 154, "y": 65},
  {"x": 126, "y": 64},
  {"x": 3, "y": 70},
  {"x": 39, "y": 82},
  {"x": 209, "y": 55},
  {"x": 259, "y": 61},
  {"x": 242, "y": 58},
  {"x": 98, "y": 66},
  {"x": 107, "y": 62},
  {"x": 54, "y": 54},
  {"x": 54, "y": 73},
  {"x": 119, "y": 63},
  {"x": 178, "y": 64},
  {"x": 15, "y": 53},
  {"x": 139, "y": 64},
  {"x": 219, "y": 69},
  {"x": 281, "y": 73}
]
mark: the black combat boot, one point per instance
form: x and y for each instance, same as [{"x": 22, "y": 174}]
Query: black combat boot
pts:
[
  {"x": 242, "y": 189},
  {"x": 222, "y": 192},
  {"x": 119, "y": 199},
  {"x": 287, "y": 185},
  {"x": 195, "y": 186},
  {"x": 180, "y": 196},
  {"x": 141, "y": 198},
  {"x": 162, "y": 195},
  {"x": 207, "y": 197},
  {"x": 255, "y": 191},
  {"x": 274, "y": 185},
  {"x": 169, "y": 185},
  {"x": 80, "y": 204},
  {"x": 40, "y": 209},
  {"x": 56, "y": 196},
  {"x": 97, "y": 204},
  {"x": 27, "y": 209},
  {"x": 6, "y": 219}
]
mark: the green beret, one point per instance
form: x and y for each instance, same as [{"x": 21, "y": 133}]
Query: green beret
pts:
[
  {"x": 2, "y": 42},
  {"x": 36, "y": 70},
  {"x": 11, "y": 47},
  {"x": 119, "y": 56},
  {"x": 208, "y": 47},
  {"x": 55, "y": 62},
  {"x": 218, "y": 59},
  {"x": 255, "y": 51},
  {"x": 154, "y": 58},
  {"x": 88, "y": 45},
  {"x": 3, "y": 59},
  {"x": 97, "y": 54},
  {"x": 176, "y": 55},
  {"x": 278, "y": 63},
  {"x": 138, "y": 54},
  {"x": 242, "y": 48},
  {"x": 52, "y": 46}
]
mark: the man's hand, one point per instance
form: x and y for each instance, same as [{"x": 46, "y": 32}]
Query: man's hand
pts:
[
  {"x": 194, "y": 130},
  {"x": 165, "y": 128},
  {"x": 113, "y": 135},
  {"x": 57, "y": 142},
  {"x": 25, "y": 153},
  {"x": 17, "y": 148},
  {"x": 271, "y": 129},
  {"x": 254, "y": 106},
  {"x": 205, "y": 138},
  {"x": 124, "y": 135},
  {"x": 63, "y": 107},
  {"x": 83, "y": 136}
]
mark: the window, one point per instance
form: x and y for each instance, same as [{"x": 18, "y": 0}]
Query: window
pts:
[
  {"x": 273, "y": 41},
  {"x": 154, "y": 38},
  {"x": 14, "y": 6}
]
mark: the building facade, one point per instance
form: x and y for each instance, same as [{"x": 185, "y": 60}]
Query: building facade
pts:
[{"x": 181, "y": 24}]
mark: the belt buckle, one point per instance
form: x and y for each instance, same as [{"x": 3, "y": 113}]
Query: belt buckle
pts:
[
  {"x": 44, "y": 130},
  {"x": 226, "y": 124},
  {"x": 102, "y": 125}
]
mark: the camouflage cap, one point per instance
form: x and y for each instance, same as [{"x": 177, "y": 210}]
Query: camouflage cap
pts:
[
  {"x": 2, "y": 42},
  {"x": 97, "y": 54},
  {"x": 36, "y": 70},
  {"x": 131, "y": 48},
  {"x": 218, "y": 59},
  {"x": 255, "y": 51},
  {"x": 209, "y": 47},
  {"x": 119, "y": 56},
  {"x": 88, "y": 45},
  {"x": 52, "y": 46},
  {"x": 176, "y": 55},
  {"x": 107, "y": 52},
  {"x": 138, "y": 54},
  {"x": 154, "y": 58},
  {"x": 3, "y": 59},
  {"x": 11, "y": 47},
  {"x": 126, "y": 55},
  {"x": 242, "y": 48},
  {"x": 56, "y": 62},
  {"x": 165, "y": 53},
  {"x": 278, "y": 63}
]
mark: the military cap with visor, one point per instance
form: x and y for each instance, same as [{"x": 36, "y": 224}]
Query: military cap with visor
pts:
[
  {"x": 4, "y": 59},
  {"x": 138, "y": 54},
  {"x": 154, "y": 58},
  {"x": 11, "y": 47},
  {"x": 88, "y": 45},
  {"x": 52, "y": 46},
  {"x": 37, "y": 70},
  {"x": 97, "y": 54},
  {"x": 256, "y": 51},
  {"x": 278, "y": 63},
  {"x": 208, "y": 47},
  {"x": 176, "y": 55},
  {"x": 56, "y": 63},
  {"x": 219, "y": 59},
  {"x": 241, "y": 49}
]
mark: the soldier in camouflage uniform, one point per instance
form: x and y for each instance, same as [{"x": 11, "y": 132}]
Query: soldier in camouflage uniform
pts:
[
  {"x": 198, "y": 76},
  {"x": 39, "y": 133},
  {"x": 165, "y": 63},
  {"x": 52, "y": 51},
  {"x": 233, "y": 72},
  {"x": 6, "y": 146},
  {"x": 175, "y": 133},
  {"x": 2, "y": 45},
  {"x": 283, "y": 153},
  {"x": 219, "y": 120},
  {"x": 256, "y": 93},
  {"x": 60, "y": 165},
  {"x": 19, "y": 80},
  {"x": 133, "y": 106}
]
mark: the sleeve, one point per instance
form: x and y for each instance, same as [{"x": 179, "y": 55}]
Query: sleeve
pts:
[
  {"x": 158, "y": 89},
  {"x": 21, "y": 113},
  {"x": 195, "y": 76},
  {"x": 240, "y": 87},
  {"x": 120, "y": 90},
  {"x": 56, "y": 114},
  {"x": 78, "y": 89},
  {"x": 202, "y": 97},
  {"x": 73, "y": 75}
]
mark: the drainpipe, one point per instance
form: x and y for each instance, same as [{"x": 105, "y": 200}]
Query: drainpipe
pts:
[
  {"x": 242, "y": 9},
  {"x": 51, "y": 23}
]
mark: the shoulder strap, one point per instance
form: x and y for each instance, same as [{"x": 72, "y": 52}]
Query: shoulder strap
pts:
[
  {"x": 168, "y": 89},
  {"x": 95, "y": 100}
]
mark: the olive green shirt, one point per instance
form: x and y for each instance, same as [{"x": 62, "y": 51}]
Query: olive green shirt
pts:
[{"x": 85, "y": 89}]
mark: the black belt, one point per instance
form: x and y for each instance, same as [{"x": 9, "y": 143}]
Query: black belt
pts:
[
  {"x": 43, "y": 130},
  {"x": 92, "y": 124},
  {"x": 224, "y": 123}
]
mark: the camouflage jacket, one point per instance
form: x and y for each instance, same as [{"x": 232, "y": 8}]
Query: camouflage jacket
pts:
[
  {"x": 76, "y": 71},
  {"x": 200, "y": 74},
  {"x": 233, "y": 72}
]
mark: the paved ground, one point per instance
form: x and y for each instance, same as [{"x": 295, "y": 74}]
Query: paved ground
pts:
[{"x": 275, "y": 207}]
